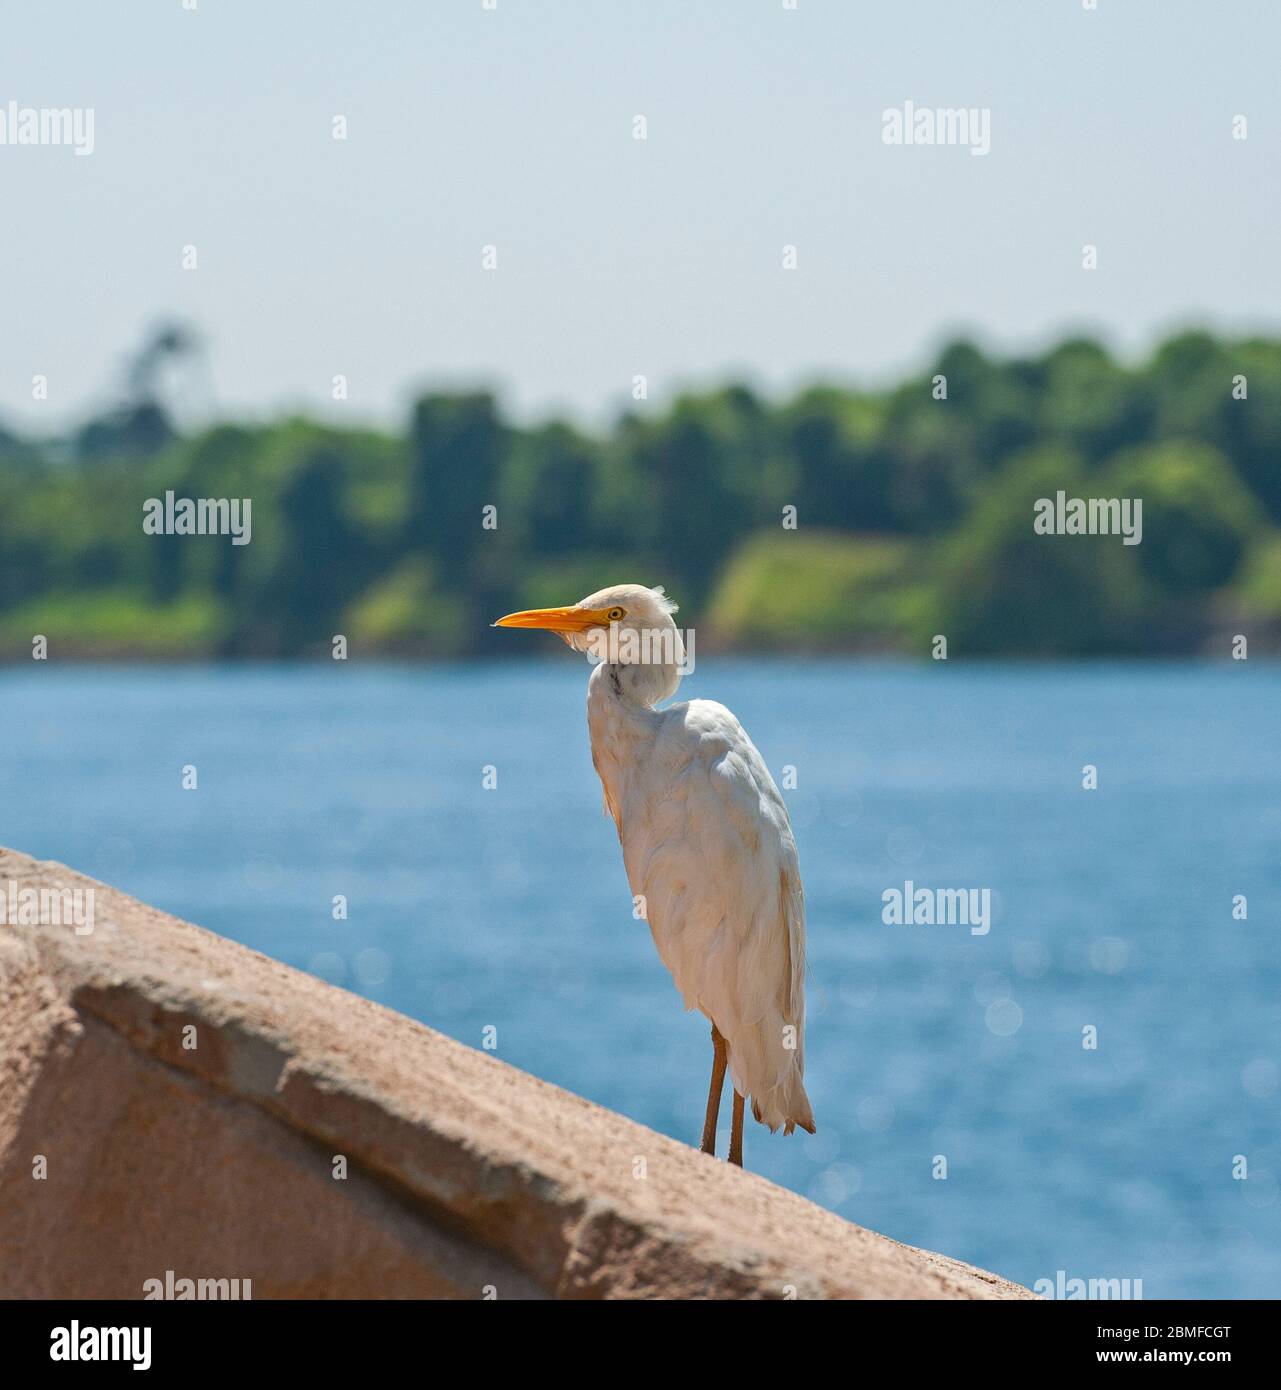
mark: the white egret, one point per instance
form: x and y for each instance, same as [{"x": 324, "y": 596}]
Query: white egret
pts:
[{"x": 708, "y": 849}]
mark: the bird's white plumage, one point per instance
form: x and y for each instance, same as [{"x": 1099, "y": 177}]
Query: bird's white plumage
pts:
[{"x": 708, "y": 845}]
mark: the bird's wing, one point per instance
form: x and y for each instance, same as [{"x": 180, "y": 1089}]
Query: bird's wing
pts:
[{"x": 707, "y": 842}]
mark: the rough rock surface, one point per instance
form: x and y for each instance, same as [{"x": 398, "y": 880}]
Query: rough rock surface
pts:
[{"x": 216, "y": 1161}]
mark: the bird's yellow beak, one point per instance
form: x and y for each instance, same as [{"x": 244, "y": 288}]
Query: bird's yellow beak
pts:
[{"x": 558, "y": 619}]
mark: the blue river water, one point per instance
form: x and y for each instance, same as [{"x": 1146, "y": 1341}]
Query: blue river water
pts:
[{"x": 506, "y": 906}]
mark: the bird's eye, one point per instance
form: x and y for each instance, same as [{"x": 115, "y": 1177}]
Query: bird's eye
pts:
[{"x": 615, "y": 615}]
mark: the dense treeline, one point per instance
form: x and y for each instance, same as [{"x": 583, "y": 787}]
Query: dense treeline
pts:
[{"x": 913, "y": 512}]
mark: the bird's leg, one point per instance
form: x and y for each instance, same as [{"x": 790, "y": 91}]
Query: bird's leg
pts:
[
  {"x": 736, "y": 1132},
  {"x": 720, "y": 1054}
]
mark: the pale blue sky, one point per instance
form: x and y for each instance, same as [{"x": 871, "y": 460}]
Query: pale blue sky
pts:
[{"x": 514, "y": 127}]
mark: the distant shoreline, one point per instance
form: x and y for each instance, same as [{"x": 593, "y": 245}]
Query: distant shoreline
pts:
[{"x": 867, "y": 657}]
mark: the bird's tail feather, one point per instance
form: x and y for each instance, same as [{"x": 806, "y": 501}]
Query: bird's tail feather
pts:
[{"x": 786, "y": 1104}]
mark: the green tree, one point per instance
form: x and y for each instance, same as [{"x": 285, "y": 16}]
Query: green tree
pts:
[
  {"x": 1198, "y": 517},
  {"x": 456, "y": 449},
  {"x": 1002, "y": 588}
]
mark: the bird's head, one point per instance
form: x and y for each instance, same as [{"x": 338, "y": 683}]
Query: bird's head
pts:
[{"x": 626, "y": 623}]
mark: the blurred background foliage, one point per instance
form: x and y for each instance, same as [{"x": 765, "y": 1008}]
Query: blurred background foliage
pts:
[{"x": 914, "y": 516}]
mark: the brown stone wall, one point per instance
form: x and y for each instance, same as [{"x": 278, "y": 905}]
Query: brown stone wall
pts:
[{"x": 216, "y": 1161}]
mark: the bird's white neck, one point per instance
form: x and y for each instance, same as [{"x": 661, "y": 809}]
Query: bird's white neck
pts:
[
  {"x": 622, "y": 722},
  {"x": 638, "y": 684}
]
